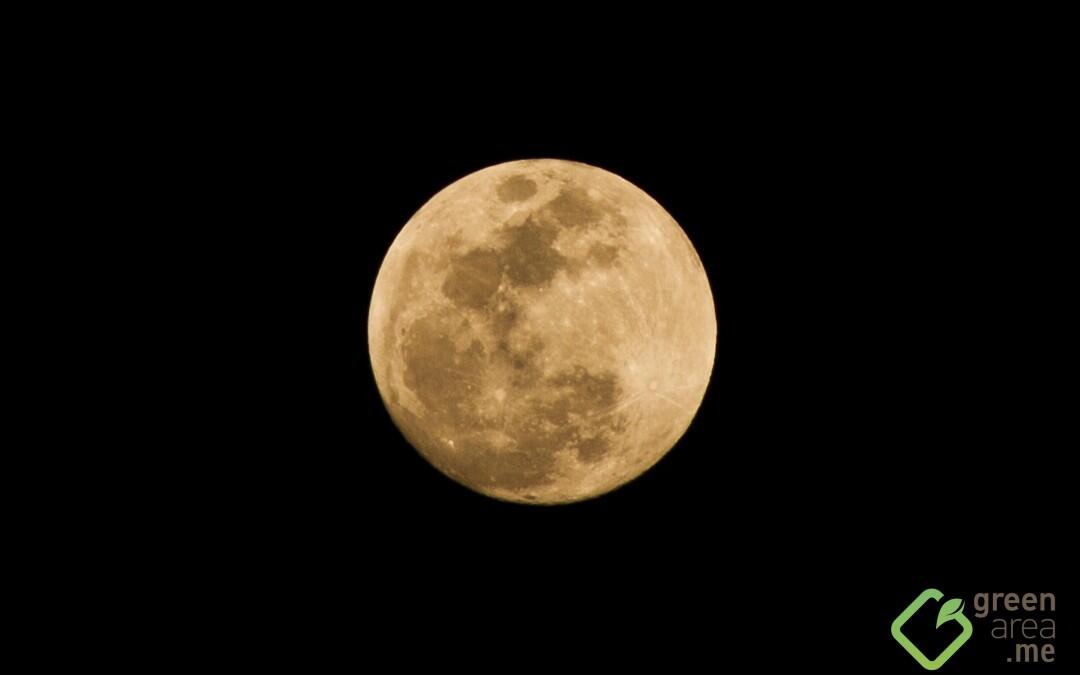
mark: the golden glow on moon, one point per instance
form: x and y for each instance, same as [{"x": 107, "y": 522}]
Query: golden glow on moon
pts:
[{"x": 542, "y": 331}]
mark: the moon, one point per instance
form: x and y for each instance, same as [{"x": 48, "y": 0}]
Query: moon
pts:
[{"x": 542, "y": 331}]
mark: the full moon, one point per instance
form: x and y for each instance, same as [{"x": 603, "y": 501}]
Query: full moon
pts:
[{"x": 542, "y": 331}]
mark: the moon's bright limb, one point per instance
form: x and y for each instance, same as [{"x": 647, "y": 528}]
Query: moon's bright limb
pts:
[{"x": 542, "y": 331}]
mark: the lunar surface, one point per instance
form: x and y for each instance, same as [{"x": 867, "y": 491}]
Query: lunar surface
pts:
[{"x": 542, "y": 331}]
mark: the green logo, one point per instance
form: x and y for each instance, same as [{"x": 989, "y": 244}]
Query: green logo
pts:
[{"x": 950, "y": 611}]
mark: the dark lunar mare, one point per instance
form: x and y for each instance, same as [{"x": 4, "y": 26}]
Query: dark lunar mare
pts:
[{"x": 571, "y": 409}]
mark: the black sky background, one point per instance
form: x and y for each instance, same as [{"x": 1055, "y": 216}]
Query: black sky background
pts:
[{"x": 885, "y": 244}]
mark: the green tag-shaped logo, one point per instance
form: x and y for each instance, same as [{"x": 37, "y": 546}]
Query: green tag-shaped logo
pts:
[{"x": 950, "y": 611}]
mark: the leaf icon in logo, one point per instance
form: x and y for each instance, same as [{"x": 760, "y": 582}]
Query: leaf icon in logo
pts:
[{"x": 949, "y": 611}]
